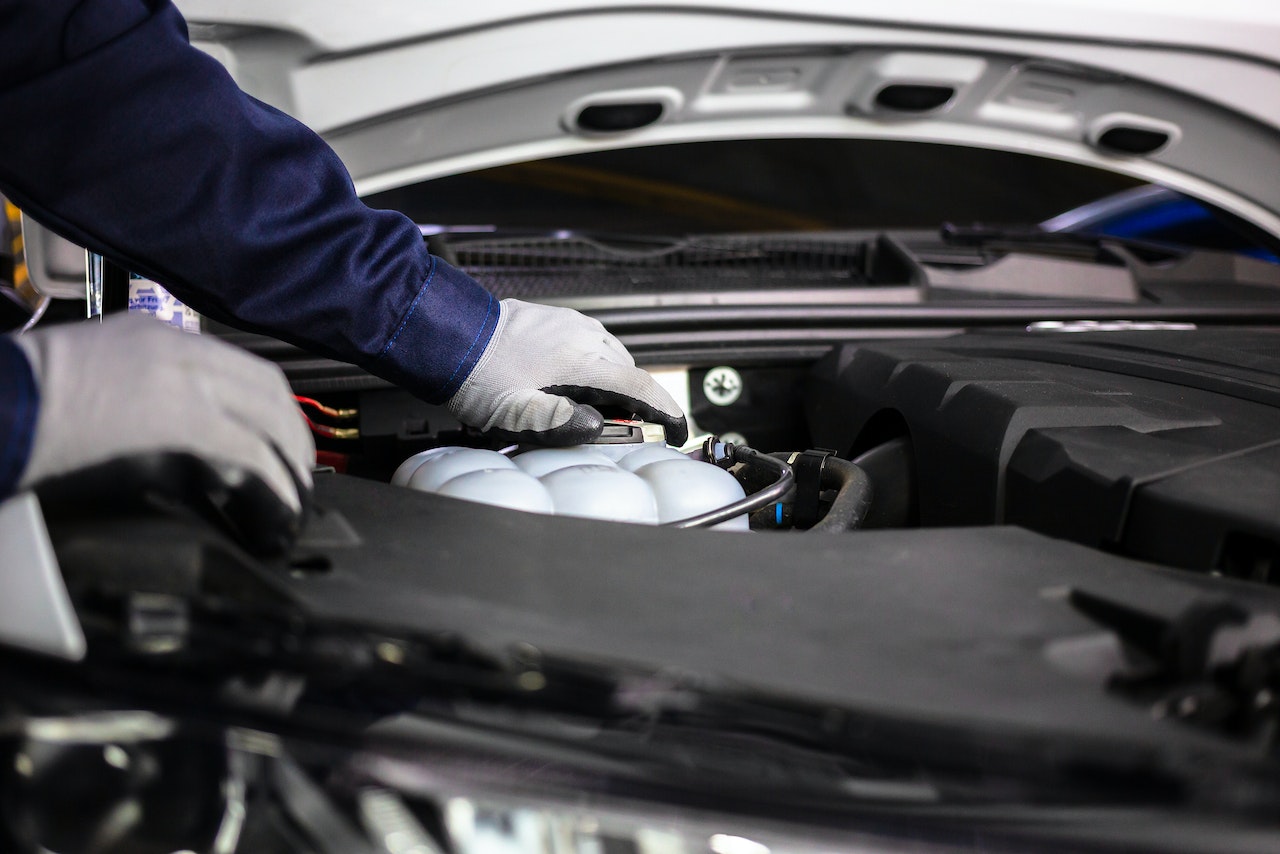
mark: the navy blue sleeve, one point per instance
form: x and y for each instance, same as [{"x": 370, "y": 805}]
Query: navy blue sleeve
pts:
[
  {"x": 18, "y": 405},
  {"x": 120, "y": 136}
]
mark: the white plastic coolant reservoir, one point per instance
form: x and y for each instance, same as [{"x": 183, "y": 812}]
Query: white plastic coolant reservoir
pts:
[
  {"x": 410, "y": 465},
  {"x": 543, "y": 461},
  {"x": 641, "y": 457},
  {"x": 602, "y": 492},
  {"x": 685, "y": 488},
  {"x": 503, "y": 488},
  {"x": 435, "y": 471},
  {"x": 645, "y": 483}
]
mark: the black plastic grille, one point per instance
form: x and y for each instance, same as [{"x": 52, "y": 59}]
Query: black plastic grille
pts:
[{"x": 580, "y": 266}]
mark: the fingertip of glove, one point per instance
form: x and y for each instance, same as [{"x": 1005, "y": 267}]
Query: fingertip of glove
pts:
[
  {"x": 584, "y": 425},
  {"x": 677, "y": 431}
]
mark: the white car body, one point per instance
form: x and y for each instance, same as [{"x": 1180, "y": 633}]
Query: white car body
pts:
[{"x": 388, "y": 84}]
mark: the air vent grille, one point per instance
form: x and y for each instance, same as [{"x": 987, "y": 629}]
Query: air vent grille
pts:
[{"x": 575, "y": 266}]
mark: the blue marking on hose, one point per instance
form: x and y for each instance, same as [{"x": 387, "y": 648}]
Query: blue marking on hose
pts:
[{"x": 778, "y": 512}]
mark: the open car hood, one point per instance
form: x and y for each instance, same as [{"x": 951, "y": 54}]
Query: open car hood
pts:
[{"x": 1181, "y": 94}]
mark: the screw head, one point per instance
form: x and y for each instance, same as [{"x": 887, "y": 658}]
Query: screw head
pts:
[{"x": 722, "y": 385}]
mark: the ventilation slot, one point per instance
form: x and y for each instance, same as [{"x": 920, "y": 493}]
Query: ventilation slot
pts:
[
  {"x": 1128, "y": 133},
  {"x": 615, "y": 118},
  {"x": 913, "y": 98},
  {"x": 1133, "y": 140}
]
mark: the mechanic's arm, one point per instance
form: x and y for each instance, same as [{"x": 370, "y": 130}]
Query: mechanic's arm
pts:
[{"x": 123, "y": 138}]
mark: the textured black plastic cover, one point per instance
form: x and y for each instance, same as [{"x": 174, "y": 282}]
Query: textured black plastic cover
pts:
[
  {"x": 1163, "y": 445},
  {"x": 969, "y": 635},
  {"x": 941, "y": 624}
]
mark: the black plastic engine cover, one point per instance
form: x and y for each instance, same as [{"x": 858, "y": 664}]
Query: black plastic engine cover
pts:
[{"x": 1163, "y": 445}]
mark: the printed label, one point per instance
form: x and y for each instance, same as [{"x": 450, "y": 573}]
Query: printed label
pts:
[{"x": 146, "y": 297}]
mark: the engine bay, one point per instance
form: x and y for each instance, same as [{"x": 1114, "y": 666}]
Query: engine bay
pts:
[{"x": 1161, "y": 443}]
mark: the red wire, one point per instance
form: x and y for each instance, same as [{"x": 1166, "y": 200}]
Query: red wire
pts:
[
  {"x": 308, "y": 401},
  {"x": 316, "y": 428},
  {"x": 325, "y": 430}
]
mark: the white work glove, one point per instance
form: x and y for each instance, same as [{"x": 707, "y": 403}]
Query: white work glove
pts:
[
  {"x": 131, "y": 410},
  {"x": 543, "y": 368}
]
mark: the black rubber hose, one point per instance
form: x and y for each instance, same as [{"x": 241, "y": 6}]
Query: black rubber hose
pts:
[
  {"x": 852, "y": 500},
  {"x": 892, "y": 466},
  {"x": 785, "y": 478}
]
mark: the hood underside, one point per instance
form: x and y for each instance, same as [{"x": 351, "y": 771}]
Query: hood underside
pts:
[{"x": 406, "y": 91}]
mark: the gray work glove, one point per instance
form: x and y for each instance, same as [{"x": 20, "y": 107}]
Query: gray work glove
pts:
[
  {"x": 543, "y": 368},
  {"x": 131, "y": 410}
]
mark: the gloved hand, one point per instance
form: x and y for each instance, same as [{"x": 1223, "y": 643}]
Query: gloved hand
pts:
[
  {"x": 133, "y": 410},
  {"x": 540, "y": 360}
]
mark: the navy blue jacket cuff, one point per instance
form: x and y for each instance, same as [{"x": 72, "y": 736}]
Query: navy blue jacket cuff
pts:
[
  {"x": 19, "y": 403},
  {"x": 443, "y": 334}
]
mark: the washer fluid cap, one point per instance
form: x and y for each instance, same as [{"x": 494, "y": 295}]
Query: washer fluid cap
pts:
[
  {"x": 438, "y": 470},
  {"x": 510, "y": 488},
  {"x": 602, "y": 492},
  {"x": 620, "y": 438}
]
